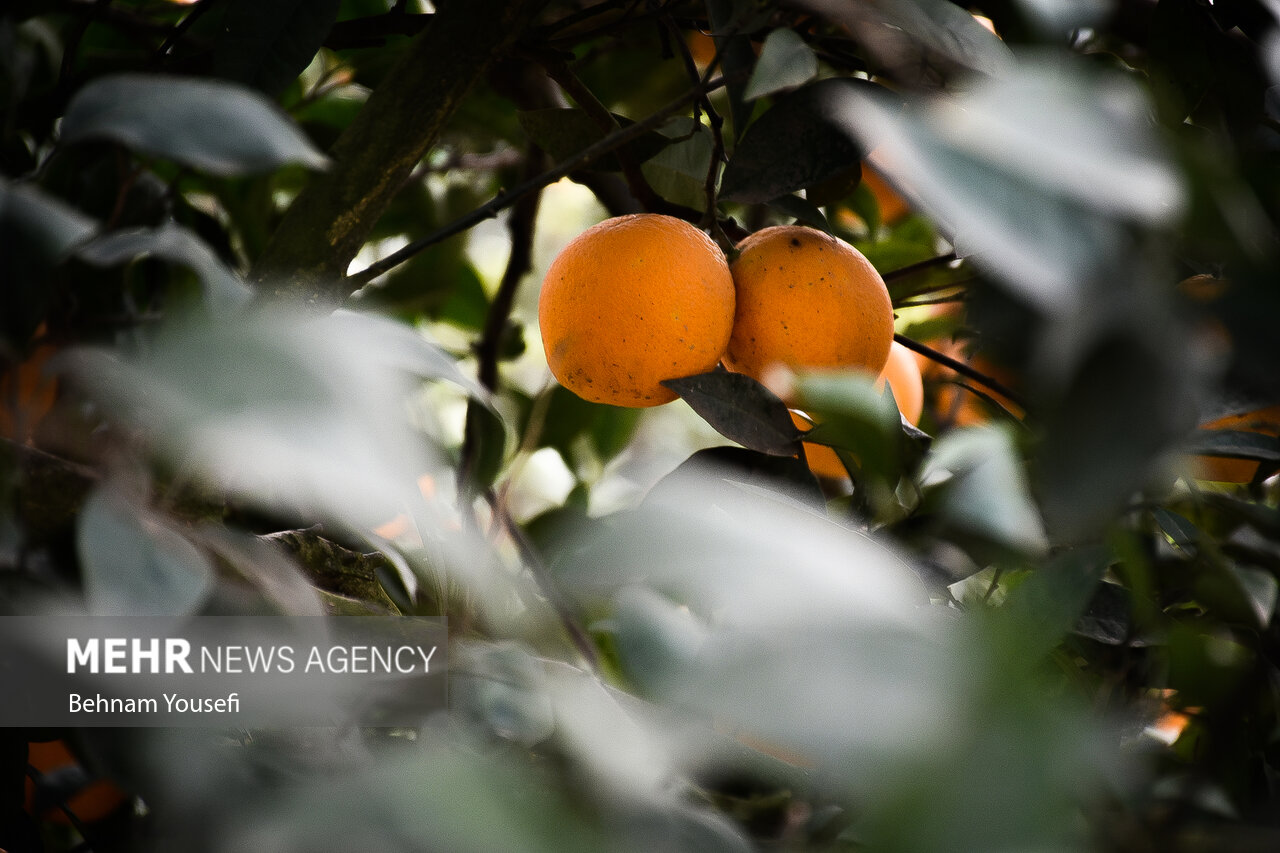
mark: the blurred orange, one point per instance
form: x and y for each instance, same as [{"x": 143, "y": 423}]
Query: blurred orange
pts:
[
  {"x": 893, "y": 207},
  {"x": 26, "y": 395},
  {"x": 94, "y": 801},
  {"x": 1265, "y": 421}
]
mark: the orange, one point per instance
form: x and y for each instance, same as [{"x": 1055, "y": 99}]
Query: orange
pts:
[
  {"x": 97, "y": 799},
  {"x": 893, "y": 207},
  {"x": 902, "y": 372},
  {"x": 26, "y": 395},
  {"x": 632, "y": 301},
  {"x": 807, "y": 300},
  {"x": 1224, "y": 470}
]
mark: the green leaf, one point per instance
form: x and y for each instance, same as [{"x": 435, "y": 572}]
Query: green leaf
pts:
[
  {"x": 1034, "y": 175},
  {"x": 654, "y": 636},
  {"x": 1181, "y": 531},
  {"x": 1235, "y": 444},
  {"x": 984, "y": 488},
  {"x": 785, "y": 62},
  {"x": 855, "y": 416},
  {"x": 802, "y": 210},
  {"x": 267, "y": 45},
  {"x": 741, "y": 409},
  {"x": 917, "y": 42},
  {"x": 796, "y": 144},
  {"x": 679, "y": 172},
  {"x": 731, "y": 20},
  {"x": 1051, "y": 602},
  {"x": 208, "y": 125},
  {"x": 223, "y": 289},
  {"x": 135, "y": 564}
]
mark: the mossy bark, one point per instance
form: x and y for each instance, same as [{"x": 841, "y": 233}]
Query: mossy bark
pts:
[{"x": 324, "y": 228}]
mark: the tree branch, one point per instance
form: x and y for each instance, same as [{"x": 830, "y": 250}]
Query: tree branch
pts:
[
  {"x": 507, "y": 198},
  {"x": 332, "y": 217}
]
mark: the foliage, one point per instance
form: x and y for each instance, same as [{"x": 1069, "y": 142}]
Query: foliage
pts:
[{"x": 1043, "y": 631}]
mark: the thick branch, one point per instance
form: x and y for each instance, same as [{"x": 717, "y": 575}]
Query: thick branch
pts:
[{"x": 330, "y": 220}]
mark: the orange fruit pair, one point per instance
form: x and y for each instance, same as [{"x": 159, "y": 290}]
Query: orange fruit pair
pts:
[{"x": 638, "y": 299}]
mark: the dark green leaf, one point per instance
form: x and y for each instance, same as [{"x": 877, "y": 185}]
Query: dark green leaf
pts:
[
  {"x": 135, "y": 564},
  {"x": 1048, "y": 605},
  {"x": 1235, "y": 444},
  {"x": 740, "y": 409},
  {"x": 802, "y": 210},
  {"x": 795, "y": 144},
  {"x": 679, "y": 172},
  {"x": 209, "y": 125},
  {"x": 1183, "y": 533},
  {"x": 267, "y": 45},
  {"x": 730, "y": 23},
  {"x": 785, "y": 61},
  {"x": 920, "y": 41}
]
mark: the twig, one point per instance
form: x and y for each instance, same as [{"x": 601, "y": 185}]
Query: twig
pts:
[
  {"x": 960, "y": 367},
  {"x": 507, "y": 198},
  {"x": 182, "y": 26},
  {"x": 560, "y": 72},
  {"x": 551, "y": 589},
  {"x": 911, "y": 269}
]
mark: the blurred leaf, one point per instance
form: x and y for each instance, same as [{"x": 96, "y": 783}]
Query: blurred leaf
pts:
[
  {"x": 501, "y": 688},
  {"x": 267, "y": 45},
  {"x": 740, "y": 409},
  {"x": 37, "y": 231},
  {"x": 564, "y": 132},
  {"x": 136, "y": 564},
  {"x": 1044, "y": 608},
  {"x": 785, "y": 61},
  {"x": 1104, "y": 436},
  {"x": 919, "y": 42},
  {"x": 208, "y": 125},
  {"x": 984, "y": 488},
  {"x": 654, "y": 637},
  {"x": 784, "y": 475},
  {"x": 450, "y": 797},
  {"x": 290, "y": 413},
  {"x": 223, "y": 289},
  {"x": 854, "y": 415},
  {"x": 795, "y": 144},
  {"x": 1033, "y": 174}
]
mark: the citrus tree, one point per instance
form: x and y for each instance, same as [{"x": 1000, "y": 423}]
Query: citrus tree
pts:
[{"x": 270, "y": 343}]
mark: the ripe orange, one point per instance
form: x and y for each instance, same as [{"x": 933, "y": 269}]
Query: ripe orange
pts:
[
  {"x": 96, "y": 800},
  {"x": 893, "y": 207},
  {"x": 807, "y": 300},
  {"x": 632, "y": 301},
  {"x": 902, "y": 372},
  {"x": 26, "y": 395},
  {"x": 1221, "y": 469}
]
